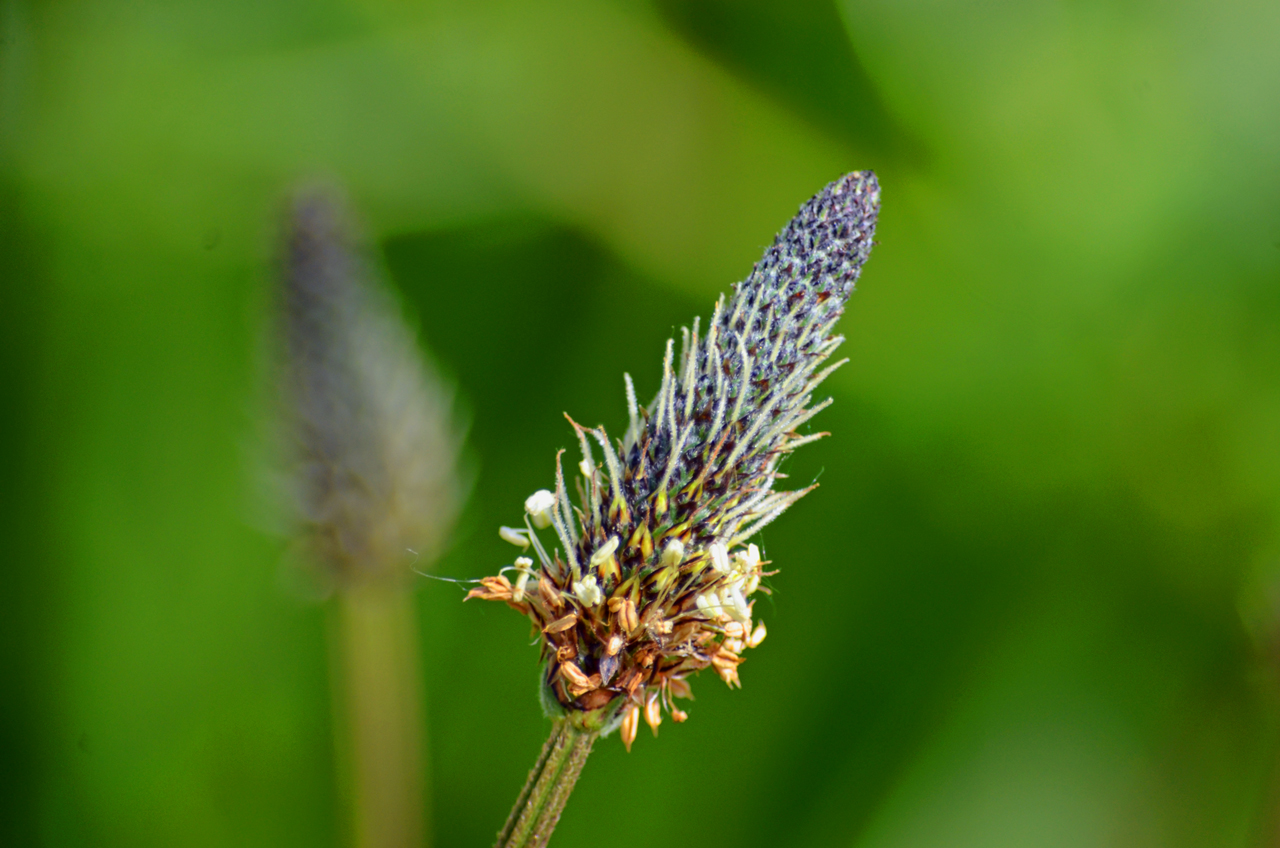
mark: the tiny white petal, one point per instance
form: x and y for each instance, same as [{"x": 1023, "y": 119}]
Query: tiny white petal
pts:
[
  {"x": 539, "y": 506},
  {"x": 586, "y": 468}
]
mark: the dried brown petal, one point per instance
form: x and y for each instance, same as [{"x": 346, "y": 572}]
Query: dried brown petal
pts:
[
  {"x": 653, "y": 712},
  {"x": 679, "y": 687},
  {"x": 627, "y": 616},
  {"x": 608, "y": 668},
  {"x": 492, "y": 589},
  {"x": 596, "y": 698},
  {"x": 630, "y": 724},
  {"x": 550, "y": 597},
  {"x": 578, "y": 682},
  {"x": 561, "y": 624}
]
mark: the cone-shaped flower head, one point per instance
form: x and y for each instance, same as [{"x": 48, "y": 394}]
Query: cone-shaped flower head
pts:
[
  {"x": 374, "y": 435},
  {"x": 651, "y": 581}
]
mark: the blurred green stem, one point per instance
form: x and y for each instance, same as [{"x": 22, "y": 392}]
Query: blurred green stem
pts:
[
  {"x": 538, "y": 808},
  {"x": 376, "y": 654}
]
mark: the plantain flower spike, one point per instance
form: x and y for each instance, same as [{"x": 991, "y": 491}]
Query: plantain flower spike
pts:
[
  {"x": 653, "y": 576},
  {"x": 377, "y": 441}
]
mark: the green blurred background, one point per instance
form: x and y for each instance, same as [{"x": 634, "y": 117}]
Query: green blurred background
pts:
[{"x": 1036, "y": 600}]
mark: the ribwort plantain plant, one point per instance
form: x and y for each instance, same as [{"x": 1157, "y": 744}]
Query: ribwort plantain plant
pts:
[{"x": 651, "y": 575}]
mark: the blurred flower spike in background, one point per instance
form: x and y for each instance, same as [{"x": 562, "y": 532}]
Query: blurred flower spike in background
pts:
[
  {"x": 375, "y": 434},
  {"x": 375, "y": 444},
  {"x": 657, "y": 575}
]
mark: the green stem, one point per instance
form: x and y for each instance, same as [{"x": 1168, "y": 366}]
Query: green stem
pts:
[
  {"x": 382, "y": 715},
  {"x": 545, "y": 792}
]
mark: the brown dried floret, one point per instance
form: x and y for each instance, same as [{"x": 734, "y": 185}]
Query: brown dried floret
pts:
[{"x": 492, "y": 589}]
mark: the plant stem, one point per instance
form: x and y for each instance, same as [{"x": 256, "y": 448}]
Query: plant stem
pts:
[
  {"x": 381, "y": 702},
  {"x": 540, "y": 803}
]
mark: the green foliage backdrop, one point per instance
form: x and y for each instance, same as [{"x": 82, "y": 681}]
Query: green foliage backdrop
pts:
[{"x": 1036, "y": 600}]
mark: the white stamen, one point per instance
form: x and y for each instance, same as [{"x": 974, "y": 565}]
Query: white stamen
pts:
[
  {"x": 746, "y": 564},
  {"x": 519, "y": 538},
  {"x": 719, "y": 557},
  {"x": 588, "y": 591},
  {"x": 747, "y": 560},
  {"x": 604, "y": 551},
  {"x": 708, "y": 604},
  {"x": 539, "y": 506},
  {"x": 586, "y": 468},
  {"x": 735, "y": 604},
  {"x": 525, "y": 565},
  {"x": 673, "y": 553}
]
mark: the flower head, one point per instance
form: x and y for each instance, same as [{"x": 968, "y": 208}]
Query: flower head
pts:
[
  {"x": 653, "y": 576},
  {"x": 374, "y": 436}
]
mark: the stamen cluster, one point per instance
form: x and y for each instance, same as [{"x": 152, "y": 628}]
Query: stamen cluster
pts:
[{"x": 653, "y": 577}]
